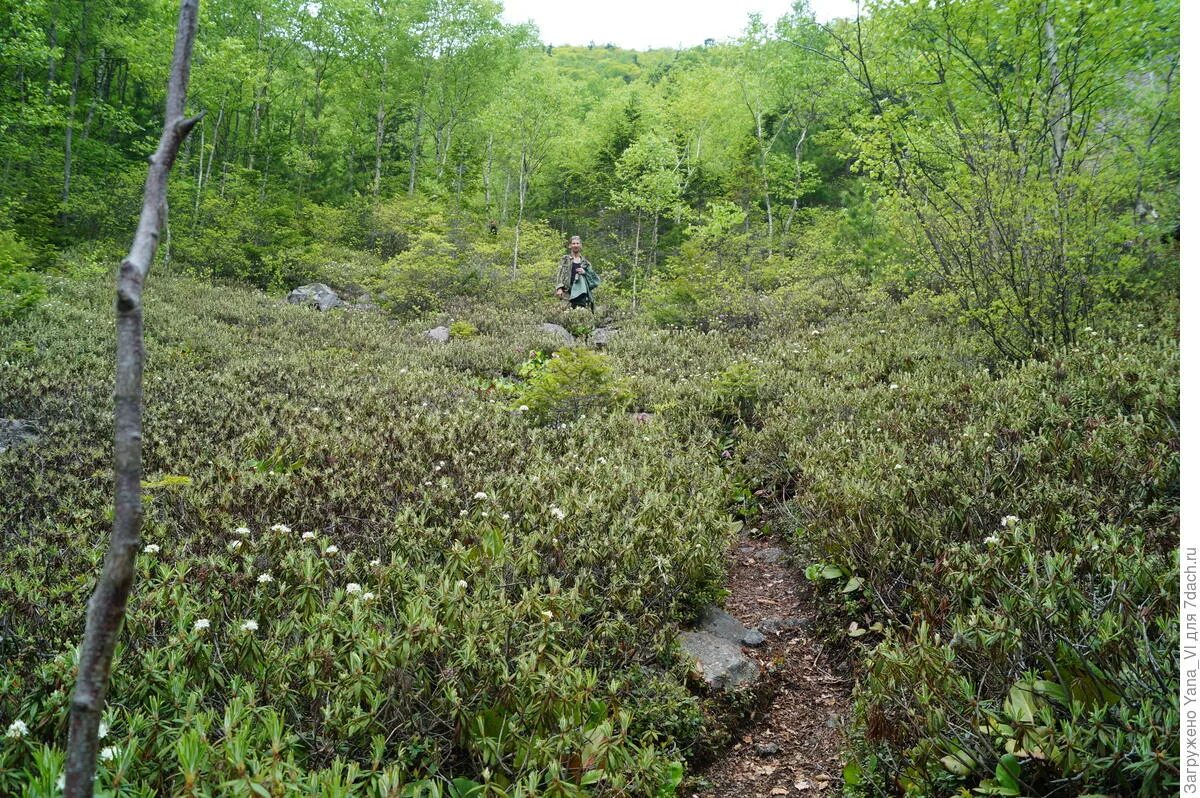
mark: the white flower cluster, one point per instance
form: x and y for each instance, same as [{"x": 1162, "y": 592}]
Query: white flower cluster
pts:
[
  {"x": 17, "y": 729},
  {"x": 151, "y": 548}
]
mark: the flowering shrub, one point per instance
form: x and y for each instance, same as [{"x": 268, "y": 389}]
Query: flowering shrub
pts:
[
  {"x": 377, "y": 577},
  {"x": 371, "y": 567}
]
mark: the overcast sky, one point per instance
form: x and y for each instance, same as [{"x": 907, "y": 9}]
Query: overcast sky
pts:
[{"x": 644, "y": 24}]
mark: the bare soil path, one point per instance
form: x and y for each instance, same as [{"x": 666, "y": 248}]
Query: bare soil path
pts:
[{"x": 792, "y": 744}]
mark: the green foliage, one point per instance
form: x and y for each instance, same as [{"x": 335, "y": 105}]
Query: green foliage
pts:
[
  {"x": 998, "y": 545},
  {"x": 498, "y": 603},
  {"x": 736, "y": 392},
  {"x": 463, "y": 329},
  {"x": 571, "y": 385},
  {"x": 20, "y": 288},
  {"x": 1029, "y": 214}
]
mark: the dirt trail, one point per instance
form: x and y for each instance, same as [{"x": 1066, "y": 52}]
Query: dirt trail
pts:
[{"x": 792, "y": 744}]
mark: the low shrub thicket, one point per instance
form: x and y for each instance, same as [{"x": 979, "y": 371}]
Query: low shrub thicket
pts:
[
  {"x": 1001, "y": 543},
  {"x": 996, "y": 542},
  {"x": 365, "y": 573}
]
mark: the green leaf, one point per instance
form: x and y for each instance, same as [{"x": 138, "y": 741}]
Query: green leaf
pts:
[
  {"x": 853, "y": 584},
  {"x": 464, "y": 788},
  {"x": 959, "y": 764},
  {"x": 831, "y": 572},
  {"x": 1008, "y": 772}
]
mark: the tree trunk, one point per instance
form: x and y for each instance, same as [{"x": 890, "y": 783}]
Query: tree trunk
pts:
[
  {"x": 216, "y": 140},
  {"x": 380, "y": 117},
  {"x": 654, "y": 243},
  {"x": 415, "y": 154},
  {"x": 1058, "y": 112},
  {"x": 98, "y": 90},
  {"x": 71, "y": 101},
  {"x": 106, "y": 609},
  {"x": 521, "y": 186},
  {"x": 199, "y": 180},
  {"x": 637, "y": 247},
  {"x": 487, "y": 178},
  {"x": 52, "y": 64}
]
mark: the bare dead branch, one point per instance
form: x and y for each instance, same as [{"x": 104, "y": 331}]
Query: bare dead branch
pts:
[{"x": 106, "y": 609}]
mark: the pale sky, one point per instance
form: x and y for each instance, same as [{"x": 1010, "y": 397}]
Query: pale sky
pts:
[{"x": 645, "y": 24}]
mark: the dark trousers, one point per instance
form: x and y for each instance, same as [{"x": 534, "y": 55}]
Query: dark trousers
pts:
[{"x": 583, "y": 301}]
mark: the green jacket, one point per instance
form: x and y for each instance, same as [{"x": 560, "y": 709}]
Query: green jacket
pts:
[{"x": 576, "y": 284}]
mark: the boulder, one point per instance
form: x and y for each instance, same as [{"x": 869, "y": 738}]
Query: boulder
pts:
[
  {"x": 719, "y": 662},
  {"x": 363, "y": 302},
  {"x": 602, "y": 336},
  {"x": 317, "y": 295},
  {"x": 716, "y": 645},
  {"x": 16, "y": 431},
  {"x": 560, "y": 331},
  {"x": 439, "y": 334}
]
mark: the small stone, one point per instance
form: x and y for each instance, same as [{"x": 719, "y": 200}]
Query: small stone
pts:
[
  {"x": 16, "y": 431},
  {"x": 771, "y": 555},
  {"x": 439, "y": 334},
  {"x": 767, "y": 749},
  {"x": 753, "y": 638}
]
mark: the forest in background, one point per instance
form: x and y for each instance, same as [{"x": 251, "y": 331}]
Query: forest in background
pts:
[
  {"x": 902, "y": 289},
  {"x": 1019, "y": 160}
]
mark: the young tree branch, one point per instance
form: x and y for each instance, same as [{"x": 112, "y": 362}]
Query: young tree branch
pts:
[{"x": 106, "y": 609}]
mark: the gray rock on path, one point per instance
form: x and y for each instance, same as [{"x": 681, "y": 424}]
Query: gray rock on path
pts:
[
  {"x": 716, "y": 645},
  {"x": 317, "y": 295},
  {"x": 777, "y": 624},
  {"x": 771, "y": 555},
  {"x": 16, "y": 431},
  {"x": 716, "y": 621},
  {"x": 439, "y": 334},
  {"x": 560, "y": 331},
  {"x": 719, "y": 662}
]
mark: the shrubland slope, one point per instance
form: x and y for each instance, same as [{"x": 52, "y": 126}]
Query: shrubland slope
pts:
[{"x": 377, "y": 564}]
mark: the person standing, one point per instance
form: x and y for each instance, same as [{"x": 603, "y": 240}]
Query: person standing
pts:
[{"x": 576, "y": 277}]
